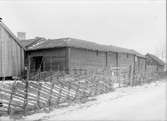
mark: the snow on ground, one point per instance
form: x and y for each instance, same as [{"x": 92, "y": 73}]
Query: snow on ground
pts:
[{"x": 146, "y": 102}]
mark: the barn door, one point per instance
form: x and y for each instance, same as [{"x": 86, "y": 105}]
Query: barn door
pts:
[{"x": 38, "y": 64}]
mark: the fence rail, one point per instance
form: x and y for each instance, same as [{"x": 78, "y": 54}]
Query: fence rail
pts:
[{"x": 58, "y": 88}]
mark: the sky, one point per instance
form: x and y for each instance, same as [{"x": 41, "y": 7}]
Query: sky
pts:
[{"x": 133, "y": 24}]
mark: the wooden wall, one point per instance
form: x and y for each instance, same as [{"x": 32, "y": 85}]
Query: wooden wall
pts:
[
  {"x": 11, "y": 55},
  {"x": 86, "y": 59},
  {"x": 124, "y": 59},
  {"x": 141, "y": 64},
  {"x": 161, "y": 68},
  {"x": 52, "y": 59},
  {"x": 111, "y": 59},
  {"x": 82, "y": 58},
  {"x": 77, "y": 58},
  {"x": 153, "y": 66}
]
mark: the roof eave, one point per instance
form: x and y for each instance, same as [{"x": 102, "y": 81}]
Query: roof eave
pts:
[{"x": 14, "y": 37}]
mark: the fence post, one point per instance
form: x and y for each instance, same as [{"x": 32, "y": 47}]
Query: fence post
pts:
[
  {"x": 76, "y": 94},
  {"x": 119, "y": 78},
  {"x": 11, "y": 97},
  {"x": 131, "y": 75},
  {"x": 51, "y": 92},
  {"x": 38, "y": 95},
  {"x": 68, "y": 95},
  {"x": 26, "y": 96},
  {"x": 58, "y": 98}
]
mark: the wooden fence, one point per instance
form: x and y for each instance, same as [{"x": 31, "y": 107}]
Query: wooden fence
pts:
[
  {"x": 27, "y": 96},
  {"x": 55, "y": 89}
]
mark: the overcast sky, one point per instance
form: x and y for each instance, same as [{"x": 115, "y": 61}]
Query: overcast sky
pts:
[{"x": 134, "y": 24}]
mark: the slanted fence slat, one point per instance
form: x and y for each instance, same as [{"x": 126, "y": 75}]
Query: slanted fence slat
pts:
[{"x": 57, "y": 88}]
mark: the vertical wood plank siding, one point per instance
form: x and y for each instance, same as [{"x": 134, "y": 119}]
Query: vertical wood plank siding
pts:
[
  {"x": 117, "y": 60},
  {"x": 80, "y": 58},
  {"x": 11, "y": 57},
  {"x": 153, "y": 65},
  {"x": 89, "y": 59},
  {"x": 50, "y": 58},
  {"x": 125, "y": 59}
]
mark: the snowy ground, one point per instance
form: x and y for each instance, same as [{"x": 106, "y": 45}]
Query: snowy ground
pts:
[{"x": 146, "y": 102}]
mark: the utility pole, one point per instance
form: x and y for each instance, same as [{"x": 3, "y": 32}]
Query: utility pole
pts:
[
  {"x": 166, "y": 40},
  {"x": 166, "y": 52}
]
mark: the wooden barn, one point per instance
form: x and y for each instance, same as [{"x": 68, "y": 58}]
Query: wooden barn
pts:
[
  {"x": 69, "y": 53},
  {"x": 154, "y": 64},
  {"x": 11, "y": 53}
]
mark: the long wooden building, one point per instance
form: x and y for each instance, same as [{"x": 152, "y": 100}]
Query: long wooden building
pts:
[
  {"x": 154, "y": 64},
  {"x": 69, "y": 53},
  {"x": 11, "y": 53}
]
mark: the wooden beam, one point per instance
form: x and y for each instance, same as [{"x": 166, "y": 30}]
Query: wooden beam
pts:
[
  {"x": 21, "y": 61},
  {"x": 134, "y": 67},
  {"x": 117, "y": 65},
  {"x": 116, "y": 59},
  {"x": 106, "y": 58},
  {"x": 29, "y": 66},
  {"x": 67, "y": 59}
]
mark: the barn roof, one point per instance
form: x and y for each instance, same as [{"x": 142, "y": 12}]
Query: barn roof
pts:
[
  {"x": 27, "y": 42},
  {"x": 30, "y": 42},
  {"x": 159, "y": 61},
  {"x": 77, "y": 43},
  {"x": 11, "y": 34}
]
